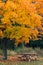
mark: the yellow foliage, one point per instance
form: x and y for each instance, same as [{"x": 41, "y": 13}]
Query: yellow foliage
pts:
[{"x": 22, "y": 18}]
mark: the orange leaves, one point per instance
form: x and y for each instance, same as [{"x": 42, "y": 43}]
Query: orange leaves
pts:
[
  {"x": 1, "y": 34},
  {"x": 28, "y": 6},
  {"x": 9, "y": 5},
  {"x": 39, "y": 6},
  {"x": 41, "y": 10},
  {"x": 1, "y": 5},
  {"x": 21, "y": 18},
  {"x": 5, "y": 21},
  {"x": 35, "y": 33}
]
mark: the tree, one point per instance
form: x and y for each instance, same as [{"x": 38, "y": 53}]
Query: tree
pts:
[{"x": 21, "y": 19}]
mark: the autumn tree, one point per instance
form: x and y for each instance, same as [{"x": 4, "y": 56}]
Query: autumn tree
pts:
[{"x": 21, "y": 20}]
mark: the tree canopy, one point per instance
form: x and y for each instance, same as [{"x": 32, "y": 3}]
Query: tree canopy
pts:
[{"x": 21, "y": 19}]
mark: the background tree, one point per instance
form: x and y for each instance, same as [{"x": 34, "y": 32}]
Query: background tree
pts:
[{"x": 22, "y": 20}]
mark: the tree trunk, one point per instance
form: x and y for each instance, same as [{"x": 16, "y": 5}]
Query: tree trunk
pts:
[
  {"x": 4, "y": 50},
  {"x": 23, "y": 45}
]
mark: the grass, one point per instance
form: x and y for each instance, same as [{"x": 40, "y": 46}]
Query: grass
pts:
[
  {"x": 21, "y": 50},
  {"x": 0, "y": 51},
  {"x": 22, "y": 63}
]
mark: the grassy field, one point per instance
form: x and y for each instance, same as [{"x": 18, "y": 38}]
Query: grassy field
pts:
[
  {"x": 22, "y": 63},
  {"x": 23, "y": 50}
]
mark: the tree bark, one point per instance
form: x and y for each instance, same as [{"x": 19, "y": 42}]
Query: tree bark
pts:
[{"x": 4, "y": 53}]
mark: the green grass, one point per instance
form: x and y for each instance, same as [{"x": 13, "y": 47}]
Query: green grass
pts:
[
  {"x": 22, "y": 63},
  {"x": 0, "y": 52}
]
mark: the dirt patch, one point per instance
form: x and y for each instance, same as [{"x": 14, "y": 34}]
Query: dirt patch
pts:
[{"x": 12, "y": 59}]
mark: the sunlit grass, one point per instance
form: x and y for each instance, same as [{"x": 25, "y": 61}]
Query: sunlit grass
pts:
[{"x": 22, "y": 63}]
